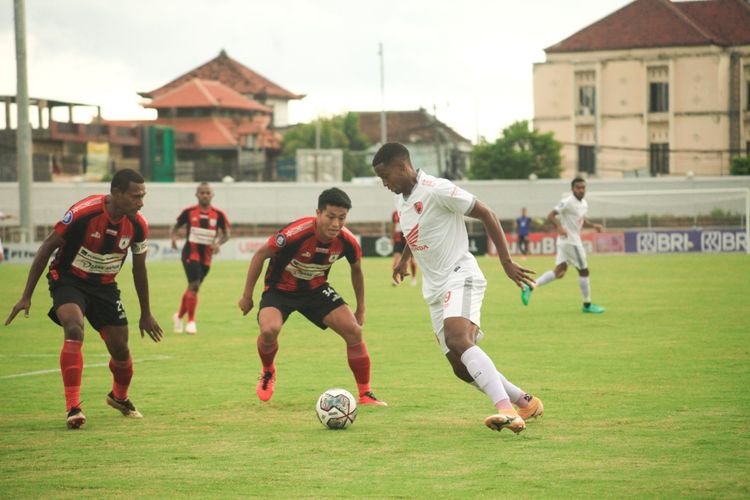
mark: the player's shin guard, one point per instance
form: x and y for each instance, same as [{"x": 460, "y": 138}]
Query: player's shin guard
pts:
[
  {"x": 122, "y": 373},
  {"x": 483, "y": 371},
  {"x": 359, "y": 362},
  {"x": 267, "y": 353},
  {"x": 191, "y": 304},
  {"x": 71, "y": 367}
]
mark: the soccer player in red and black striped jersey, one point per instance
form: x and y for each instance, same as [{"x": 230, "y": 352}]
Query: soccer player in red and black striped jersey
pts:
[
  {"x": 301, "y": 256},
  {"x": 207, "y": 228},
  {"x": 92, "y": 242}
]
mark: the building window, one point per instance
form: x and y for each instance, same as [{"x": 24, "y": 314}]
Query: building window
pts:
[
  {"x": 658, "y": 97},
  {"x": 586, "y": 159},
  {"x": 659, "y": 159},
  {"x": 586, "y": 100}
]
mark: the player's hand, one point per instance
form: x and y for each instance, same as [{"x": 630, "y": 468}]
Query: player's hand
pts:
[
  {"x": 359, "y": 315},
  {"x": 174, "y": 243},
  {"x": 562, "y": 232},
  {"x": 246, "y": 305},
  {"x": 22, "y": 305},
  {"x": 519, "y": 275},
  {"x": 598, "y": 228},
  {"x": 149, "y": 325},
  {"x": 217, "y": 248},
  {"x": 400, "y": 272}
]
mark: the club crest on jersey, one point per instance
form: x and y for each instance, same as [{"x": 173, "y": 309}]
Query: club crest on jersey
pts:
[
  {"x": 418, "y": 207},
  {"x": 280, "y": 240},
  {"x": 124, "y": 242},
  {"x": 211, "y": 222},
  {"x": 68, "y": 218},
  {"x": 333, "y": 257}
]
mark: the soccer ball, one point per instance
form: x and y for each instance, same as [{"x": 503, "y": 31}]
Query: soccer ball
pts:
[{"x": 336, "y": 408}]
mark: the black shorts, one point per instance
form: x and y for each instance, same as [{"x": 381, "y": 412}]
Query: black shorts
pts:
[
  {"x": 312, "y": 304},
  {"x": 100, "y": 304},
  {"x": 398, "y": 247},
  {"x": 195, "y": 271}
]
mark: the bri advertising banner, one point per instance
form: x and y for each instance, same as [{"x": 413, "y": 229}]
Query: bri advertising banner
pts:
[{"x": 708, "y": 241}]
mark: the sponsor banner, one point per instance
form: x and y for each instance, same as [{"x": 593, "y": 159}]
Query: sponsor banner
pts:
[
  {"x": 709, "y": 241},
  {"x": 381, "y": 246},
  {"x": 546, "y": 243}
]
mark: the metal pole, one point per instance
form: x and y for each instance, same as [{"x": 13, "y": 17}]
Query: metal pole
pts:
[
  {"x": 747, "y": 221},
  {"x": 23, "y": 132},
  {"x": 383, "y": 126}
]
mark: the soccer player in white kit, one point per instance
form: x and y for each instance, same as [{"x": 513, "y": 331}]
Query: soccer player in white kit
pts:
[
  {"x": 432, "y": 213},
  {"x": 572, "y": 217}
]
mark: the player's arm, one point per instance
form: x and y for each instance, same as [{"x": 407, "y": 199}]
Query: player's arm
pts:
[
  {"x": 400, "y": 271},
  {"x": 597, "y": 227},
  {"x": 147, "y": 323},
  {"x": 494, "y": 230},
  {"x": 49, "y": 245},
  {"x": 181, "y": 221},
  {"x": 222, "y": 236},
  {"x": 555, "y": 220},
  {"x": 253, "y": 273},
  {"x": 358, "y": 284}
]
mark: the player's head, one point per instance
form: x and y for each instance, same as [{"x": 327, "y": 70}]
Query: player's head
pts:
[
  {"x": 205, "y": 194},
  {"x": 578, "y": 186},
  {"x": 128, "y": 189},
  {"x": 523, "y": 211},
  {"x": 333, "y": 207},
  {"x": 393, "y": 165}
]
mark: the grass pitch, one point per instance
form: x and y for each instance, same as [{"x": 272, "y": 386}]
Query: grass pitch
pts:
[{"x": 649, "y": 399}]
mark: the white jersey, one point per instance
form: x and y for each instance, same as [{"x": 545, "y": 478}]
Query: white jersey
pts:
[
  {"x": 432, "y": 220},
  {"x": 572, "y": 214}
]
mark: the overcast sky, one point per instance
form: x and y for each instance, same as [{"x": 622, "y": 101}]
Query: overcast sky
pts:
[{"x": 470, "y": 60}]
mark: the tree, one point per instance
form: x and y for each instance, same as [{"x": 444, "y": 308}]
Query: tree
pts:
[
  {"x": 740, "y": 165},
  {"x": 340, "y": 132},
  {"x": 519, "y": 153}
]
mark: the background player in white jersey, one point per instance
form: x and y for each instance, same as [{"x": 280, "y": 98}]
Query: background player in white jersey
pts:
[
  {"x": 569, "y": 216},
  {"x": 431, "y": 212}
]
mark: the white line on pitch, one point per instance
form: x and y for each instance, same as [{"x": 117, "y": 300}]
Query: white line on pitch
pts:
[{"x": 157, "y": 357}]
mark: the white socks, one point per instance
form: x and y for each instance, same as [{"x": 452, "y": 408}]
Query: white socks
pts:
[
  {"x": 545, "y": 278},
  {"x": 483, "y": 371},
  {"x": 585, "y": 285}
]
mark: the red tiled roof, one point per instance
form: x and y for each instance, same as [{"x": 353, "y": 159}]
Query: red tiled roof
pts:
[
  {"x": 232, "y": 74},
  {"x": 197, "y": 93},
  {"x": 661, "y": 23},
  {"x": 223, "y": 133},
  {"x": 407, "y": 127}
]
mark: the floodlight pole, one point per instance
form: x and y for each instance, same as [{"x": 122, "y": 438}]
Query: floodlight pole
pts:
[{"x": 23, "y": 128}]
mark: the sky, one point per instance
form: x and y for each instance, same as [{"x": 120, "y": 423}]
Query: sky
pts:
[{"x": 470, "y": 62}]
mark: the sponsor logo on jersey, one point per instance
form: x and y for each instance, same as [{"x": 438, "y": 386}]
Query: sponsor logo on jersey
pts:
[
  {"x": 212, "y": 222},
  {"x": 111, "y": 232},
  {"x": 68, "y": 218},
  {"x": 307, "y": 255},
  {"x": 321, "y": 250},
  {"x": 280, "y": 240},
  {"x": 418, "y": 206},
  {"x": 96, "y": 234}
]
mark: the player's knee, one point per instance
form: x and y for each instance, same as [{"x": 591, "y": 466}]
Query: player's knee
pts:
[
  {"x": 457, "y": 343},
  {"x": 269, "y": 333},
  {"x": 73, "y": 331},
  {"x": 559, "y": 273},
  {"x": 194, "y": 286},
  {"x": 583, "y": 273}
]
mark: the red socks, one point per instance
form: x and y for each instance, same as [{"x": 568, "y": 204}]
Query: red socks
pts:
[
  {"x": 190, "y": 303},
  {"x": 71, "y": 367},
  {"x": 183, "y": 308},
  {"x": 359, "y": 362},
  {"x": 122, "y": 372},
  {"x": 267, "y": 353}
]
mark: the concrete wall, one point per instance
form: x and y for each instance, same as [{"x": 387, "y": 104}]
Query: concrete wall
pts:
[{"x": 280, "y": 203}]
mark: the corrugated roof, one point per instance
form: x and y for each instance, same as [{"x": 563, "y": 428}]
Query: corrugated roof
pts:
[{"x": 407, "y": 127}]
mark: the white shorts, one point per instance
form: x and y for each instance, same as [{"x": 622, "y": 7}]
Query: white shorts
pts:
[
  {"x": 463, "y": 299},
  {"x": 573, "y": 254}
]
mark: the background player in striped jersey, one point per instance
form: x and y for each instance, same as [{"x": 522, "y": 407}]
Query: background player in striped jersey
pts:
[
  {"x": 399, "y": 242},
  {"x": 207, "y": 228},
  {"x": 92, "y": 242},
  {"x": 432, "y": 214},
  {"x": 301, "y": 256}
]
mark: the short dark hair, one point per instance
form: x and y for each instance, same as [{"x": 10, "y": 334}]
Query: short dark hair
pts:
[
  {"x": 122, "y": 179},
  {"x": 576, "y": 181},
  {"x": 334, "y": 197},
  {"x": 389, "y": 152}
]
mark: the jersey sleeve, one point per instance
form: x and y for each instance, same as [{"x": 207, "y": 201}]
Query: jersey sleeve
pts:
[
  {"x": 69, "y": 221},
  {"x": 183, "y": 218},
  {"x": 139, "y": 244},
  {"x": 352, "y": 249},
  {"x": 560, "y": 207},
  {"x": 453, "y": 198},
  {"x": 223, "y": 221}
]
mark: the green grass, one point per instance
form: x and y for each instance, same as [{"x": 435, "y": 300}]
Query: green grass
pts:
[{"x": 649, "y": 399}]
